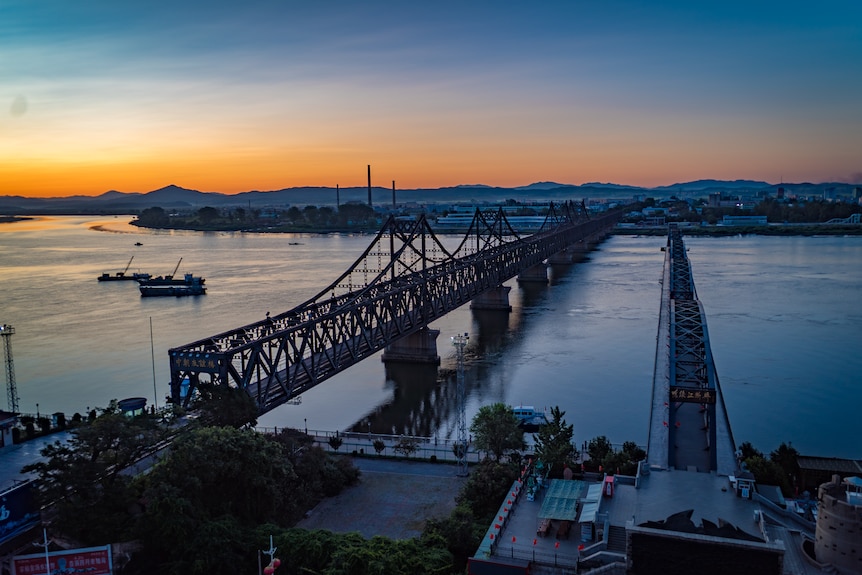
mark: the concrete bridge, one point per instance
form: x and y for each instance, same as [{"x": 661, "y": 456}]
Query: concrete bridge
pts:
[
  {"x": 404, "y": 280},
  {"x": 689, "y": 427}
]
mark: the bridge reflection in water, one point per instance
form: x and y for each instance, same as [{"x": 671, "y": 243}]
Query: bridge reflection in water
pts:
[{"x": 404, "y": 280}]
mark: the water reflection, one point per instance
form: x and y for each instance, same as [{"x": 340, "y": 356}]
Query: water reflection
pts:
[{"x": 424, "y": 398}]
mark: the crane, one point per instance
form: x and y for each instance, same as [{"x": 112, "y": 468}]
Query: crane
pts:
[
  {"x": 7, "y": 331},
  {"x": 128, "y": 265},
  {"x": 175, "y": 269}
]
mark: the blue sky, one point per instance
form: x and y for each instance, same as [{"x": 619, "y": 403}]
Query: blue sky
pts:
[{"x": 224, "y": 96}]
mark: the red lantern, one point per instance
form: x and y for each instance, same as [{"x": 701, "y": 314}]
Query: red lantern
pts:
[
  {"x": 581, "y": 547},
  {"x": 513, "y": 538},
  {"x": 557, "y": 545},
  {"x": 534, "y": 541},
  {"x": 276, "y": 562},
  {"x": 492, "y": 536}
]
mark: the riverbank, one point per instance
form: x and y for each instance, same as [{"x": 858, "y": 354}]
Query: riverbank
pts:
[
  {"x": 11, "y": 219},
  {"x": 768, "y": 230},
  {"x": 808, "y": 229}
]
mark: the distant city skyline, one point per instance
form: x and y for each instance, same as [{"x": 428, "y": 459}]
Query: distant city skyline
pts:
[{"x": 265, "y": 95}]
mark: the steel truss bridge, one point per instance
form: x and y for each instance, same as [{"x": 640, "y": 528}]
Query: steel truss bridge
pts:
[
  {"x": 403, "y": 281},
  {"x": 689, "y": 427}
]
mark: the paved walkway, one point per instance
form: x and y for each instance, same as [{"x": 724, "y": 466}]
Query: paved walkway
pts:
[{"x": 394, "y": 498}]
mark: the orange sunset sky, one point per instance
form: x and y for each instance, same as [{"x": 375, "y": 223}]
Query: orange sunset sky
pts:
[{"x": 264, "y": 95}]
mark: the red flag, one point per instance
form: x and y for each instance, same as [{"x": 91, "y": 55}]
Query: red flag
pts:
[
  {"x": 513, "y": 538},
  {"x": 534, "y": 541},
  {"x": 557, "y": 545}
]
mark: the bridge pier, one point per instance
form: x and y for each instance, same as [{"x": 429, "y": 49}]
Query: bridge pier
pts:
[
  {"x": 418, "y": 347},
  {"x": 493, "y": 299},
  {"x": 561, "y": 258},
  {"x": 534, "y": 274}
]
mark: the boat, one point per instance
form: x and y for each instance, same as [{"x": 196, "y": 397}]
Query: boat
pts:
[
  {"x": 172, "y": 280},
  {"x": 529, "y": 418},
  {"x": 138, "y": 244},
  {"x": 121, "y": 276},
  {"x": 191, "y": 285}
]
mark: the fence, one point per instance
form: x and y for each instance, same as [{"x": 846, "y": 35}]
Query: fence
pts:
[{"x": 362, "y": 443}]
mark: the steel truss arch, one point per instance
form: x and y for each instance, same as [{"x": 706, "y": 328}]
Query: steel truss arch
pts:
[{"x": 403, "y": 281}]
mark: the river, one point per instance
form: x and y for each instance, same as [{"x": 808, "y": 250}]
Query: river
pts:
[{"x": 784, "y": 318}]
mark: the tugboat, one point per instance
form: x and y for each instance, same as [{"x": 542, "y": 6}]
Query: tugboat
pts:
[
  {"x": 121, "y": 276},
  {"x": 529, "y": 419}
]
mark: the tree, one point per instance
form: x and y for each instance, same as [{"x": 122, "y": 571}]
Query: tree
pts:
[
  {"x": 207, "y": 214},
  {"x": 335, "y": 442},
  {"x": 747, "y": 450},
  {"x": 554, "y": 441},
  {"x": 786, "y": 458},
  {"x": 379, "y": 446},
  {"x": 84, "y": 479},
  {"x": 406, "y": 446},
  {"x": 216, "y": 483},
  {"x": 599, "y": 448},
  {"x": 154, "y": 217},
  {"x": 495, "y": 430},
  {"x": 222, "y": 405}
]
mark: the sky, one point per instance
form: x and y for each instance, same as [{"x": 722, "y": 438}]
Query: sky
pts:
[{"x": 216, "y": 96}]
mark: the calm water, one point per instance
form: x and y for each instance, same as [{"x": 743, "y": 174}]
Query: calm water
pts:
[{"x": 784, "y": 317}]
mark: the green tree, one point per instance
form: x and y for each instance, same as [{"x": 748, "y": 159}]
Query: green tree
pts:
[
  {"x": 768, "y": 472},
  {"x": 83, "y": 477},
  {"x": 406, "y": 446},
  {"x": 216, "y": 483},
  {"x": 747, "y": 450},
  {"x": 495, "y": 430},
  {"x": 154, "y": 217},
  {"x": 207, "y": 215},
  {"x": 598, "y": 449},
  {"x": 554, "y": 441},
  {"x": 222, "y": 405},
  {"x": 785, "y": 456}
]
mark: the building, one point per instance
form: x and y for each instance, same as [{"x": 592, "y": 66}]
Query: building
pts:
[
  {"x": 7, "y": 423},
  {"x": 743, "y": 221},
  {"x": 838, "y": 538}
]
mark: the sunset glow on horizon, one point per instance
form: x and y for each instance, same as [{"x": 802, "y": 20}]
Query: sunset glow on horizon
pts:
[{"x": 266, "y": 95}]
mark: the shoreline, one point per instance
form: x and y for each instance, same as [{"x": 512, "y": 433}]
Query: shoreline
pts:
[{"x": 717, "y": 231}]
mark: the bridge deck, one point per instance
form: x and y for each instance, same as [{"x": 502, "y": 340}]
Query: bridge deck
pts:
[{"x": 689, "y": 427}]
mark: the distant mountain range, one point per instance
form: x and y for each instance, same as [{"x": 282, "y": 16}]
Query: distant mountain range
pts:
[{"x": 174, "y": 197}]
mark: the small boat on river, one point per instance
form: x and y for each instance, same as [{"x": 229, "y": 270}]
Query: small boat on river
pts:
[{"x": 529, "y": 418}]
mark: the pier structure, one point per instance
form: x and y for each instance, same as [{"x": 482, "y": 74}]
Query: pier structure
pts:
[{"x": 689, "y": 427}]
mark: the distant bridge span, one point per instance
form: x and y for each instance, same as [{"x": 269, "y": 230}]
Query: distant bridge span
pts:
[{"x": 403, "y": 281}]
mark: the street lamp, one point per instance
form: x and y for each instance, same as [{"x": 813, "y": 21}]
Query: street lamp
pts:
[{"x": 305, "y": 419}]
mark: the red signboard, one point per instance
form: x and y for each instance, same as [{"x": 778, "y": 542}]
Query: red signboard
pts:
[{"x": 92, "y": 561}]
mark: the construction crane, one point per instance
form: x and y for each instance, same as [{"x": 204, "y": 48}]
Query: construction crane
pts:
[
  {"x": 128, "y": 265},
  {"x": 175, "y": 269},
  {"x": 7, "y": 331}
]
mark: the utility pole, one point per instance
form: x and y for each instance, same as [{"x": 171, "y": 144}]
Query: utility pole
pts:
[
  {"x": 460, "y": 341},
  {"x": 7, "y": 331}
]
